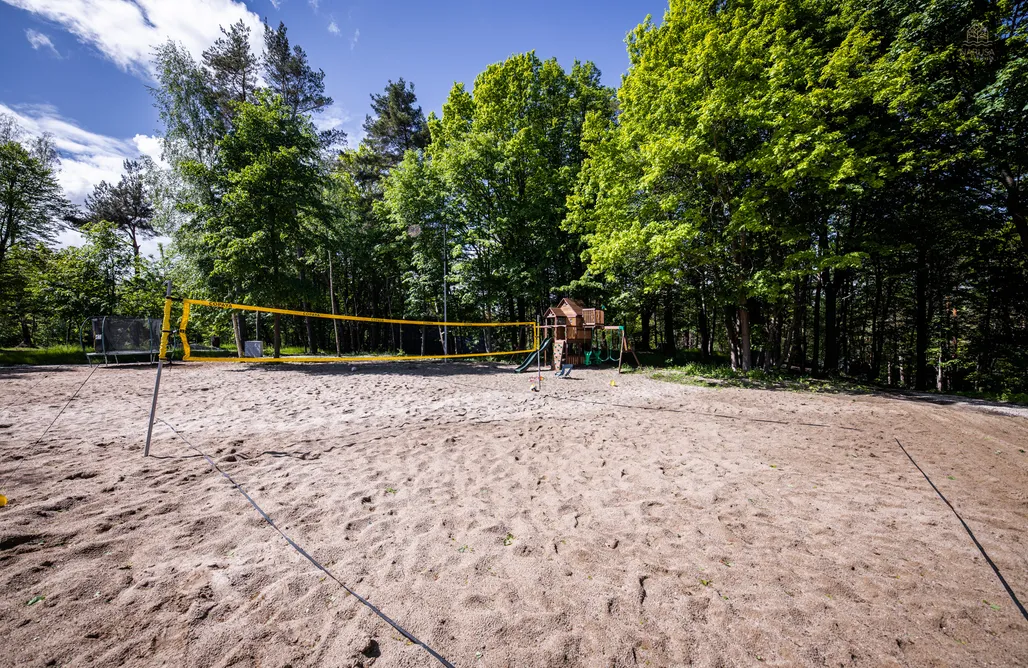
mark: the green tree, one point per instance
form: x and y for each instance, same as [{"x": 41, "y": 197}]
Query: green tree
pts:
[
  {"x": 509, "y": 155},
  {"x": 232, "y": 68},
  {"x": 289, "y": 75},
  {"x": 269, "y": 181},
  {"x": 32, "y": 203},
  {"x": 398, "y": 124},
  {"x": 127, "y": 204}
]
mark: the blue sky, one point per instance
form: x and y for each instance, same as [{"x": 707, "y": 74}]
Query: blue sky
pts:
[{"x": 79, "y": 68}]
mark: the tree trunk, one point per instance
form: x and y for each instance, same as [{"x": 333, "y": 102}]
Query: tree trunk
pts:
[
  {"x": 877, "y": 325},
  {"x": 799, "y": 321},
  {"x": 1015, "y": 207},
  {"x": 522, "y": 333},
  {"x": 278, "y": 336},
  {"x": 669, "y": 322},
  {"x": 237, "y": 332},
  {"x": 815, "y": 361},
  {"x": 704, "y": 327},
  {"x": 921, "y": 322},
  {"x": 335, "y": 308},
  {"x": 312, "y": 344},
  {"x": 26, "y": 332},
  {"x": 732, "y": 330},
  {"x": 830, "y": 280},
  {"x": 645, "y": 316},
  {"x": 744, "y": 338}
]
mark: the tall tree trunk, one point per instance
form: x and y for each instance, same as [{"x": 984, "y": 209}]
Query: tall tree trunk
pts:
[
  {"x": 645, "y": 317},
  {"x": 704, "y": 326},
  {"x": 522, "y": 334},
  {"x": 830, "y": 280},
  {"x": 305, "y": 306},
  {"x": 815, "y": 361},
  {"x": 732, "y": 330},
  {"x": 26, "y": 332},
  {"x": 921, "y": 321},
  {"x": 877, "y": 325},
  {"x": 669, "y": 322},
  {"x": 744, "y": 338},
  {"x": 278, "y": 335},
  {"x": 335, "y": 309},
  {"x": 799, "y": 321},
  {"x": 237, "y": 332},
  {"x": 1016, "y": 207}
]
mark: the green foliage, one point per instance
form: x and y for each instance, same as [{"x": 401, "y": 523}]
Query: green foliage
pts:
[
  {"x": 51, "y": 292},
  {"x": 502, "y": 162},
  {"x": 31, "y": 201},
  {"x": 127, "y": 204},
  {"x": 398, "y": 125},
  {"x": 269, "y": 179},
  {"x": 789, "y": 186}
]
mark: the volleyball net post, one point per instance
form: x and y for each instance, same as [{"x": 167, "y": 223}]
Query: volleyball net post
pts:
[{"x": 165, "y": 333}]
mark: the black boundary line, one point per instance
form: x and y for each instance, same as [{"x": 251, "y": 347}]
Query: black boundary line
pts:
[
  {"x": 52, "y": 423},
  {"x": 981, "y": 549},
  {"x": 304, "y": 553}
]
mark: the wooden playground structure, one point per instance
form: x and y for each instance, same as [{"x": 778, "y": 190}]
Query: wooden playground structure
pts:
[{"x": 581, "y": 337}]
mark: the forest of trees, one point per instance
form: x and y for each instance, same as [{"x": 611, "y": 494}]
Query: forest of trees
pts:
[{"x": 819, "y": 187}]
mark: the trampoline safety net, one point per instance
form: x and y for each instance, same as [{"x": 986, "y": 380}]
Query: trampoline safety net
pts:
[{"x": 117, "y": 340}]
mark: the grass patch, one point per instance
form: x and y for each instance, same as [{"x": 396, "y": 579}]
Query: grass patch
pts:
[
  {"x": 721, "y": 375},
  {"x": 68, "y": 354}
]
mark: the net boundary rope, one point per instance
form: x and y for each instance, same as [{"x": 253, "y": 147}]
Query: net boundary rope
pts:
[{"x": 187, "y": 356}]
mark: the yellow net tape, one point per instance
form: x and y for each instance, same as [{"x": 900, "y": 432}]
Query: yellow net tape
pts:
[{"x": 188, "y": 357}]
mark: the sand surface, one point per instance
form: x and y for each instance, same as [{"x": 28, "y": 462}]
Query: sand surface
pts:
[{"x": 644, "y": 524}]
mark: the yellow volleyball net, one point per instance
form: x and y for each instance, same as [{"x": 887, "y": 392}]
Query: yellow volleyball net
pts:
[{"x": 212, "y": 331}]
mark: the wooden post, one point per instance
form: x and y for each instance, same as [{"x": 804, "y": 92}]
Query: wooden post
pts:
[
  {"x": 624, "y": 347},
  {"x": 621, "y": 353}
]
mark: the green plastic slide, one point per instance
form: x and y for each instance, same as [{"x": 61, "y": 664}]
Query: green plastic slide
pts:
[{"x": 531, "y": 358}]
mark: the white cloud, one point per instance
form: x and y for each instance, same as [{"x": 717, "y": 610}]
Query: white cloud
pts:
[
  {"x": 151, "y": 146},
  {"x": 38, "y": 40},
  {"x": 276, "y": 3},
  {"x": 126, "y": 31},
  {"x": 315, "y": 4},
  {"x": 356, "y": 38},
  {"x": 333, "y": 28},
  {"x": 86, "y": 157},
  {"x": 332, "y": 118}
]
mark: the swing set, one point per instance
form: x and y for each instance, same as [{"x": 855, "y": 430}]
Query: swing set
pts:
[{"x": 603, "y": 347}]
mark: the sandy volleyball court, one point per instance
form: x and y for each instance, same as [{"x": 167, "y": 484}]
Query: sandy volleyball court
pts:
[{"x": 588, "y": 525}]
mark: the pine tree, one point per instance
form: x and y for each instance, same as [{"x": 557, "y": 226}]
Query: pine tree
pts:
[{"x": 398, "y": 124}]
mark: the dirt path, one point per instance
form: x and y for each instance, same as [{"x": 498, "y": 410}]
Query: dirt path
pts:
[{"x": 588, "y": 525}]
